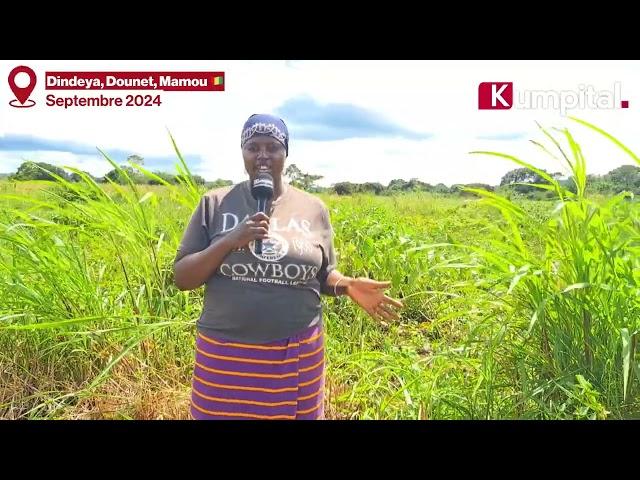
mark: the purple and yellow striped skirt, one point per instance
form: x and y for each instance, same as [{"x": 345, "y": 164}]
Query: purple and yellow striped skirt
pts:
[{"x": 282, "y": 380}]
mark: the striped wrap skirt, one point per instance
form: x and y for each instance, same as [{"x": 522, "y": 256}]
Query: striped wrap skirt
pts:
[{"x": 281, "y": 380}]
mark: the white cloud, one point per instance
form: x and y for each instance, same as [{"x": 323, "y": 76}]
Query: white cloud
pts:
[{"x": 427, "y": 96}]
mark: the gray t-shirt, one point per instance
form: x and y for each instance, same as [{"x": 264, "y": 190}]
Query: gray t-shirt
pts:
[{"x": 262, "y": 298}]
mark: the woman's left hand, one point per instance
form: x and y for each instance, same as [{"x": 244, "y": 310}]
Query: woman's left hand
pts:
[{"x": 369, "y": 294}]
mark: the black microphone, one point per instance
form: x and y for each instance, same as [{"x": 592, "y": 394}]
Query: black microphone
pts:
[{"x": 262, "y": 191}]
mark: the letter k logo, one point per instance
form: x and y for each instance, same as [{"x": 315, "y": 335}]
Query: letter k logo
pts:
[{"x": 495, "y": 95}]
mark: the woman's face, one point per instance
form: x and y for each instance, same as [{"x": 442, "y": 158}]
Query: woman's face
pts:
[{"x": 262, "y": 153}]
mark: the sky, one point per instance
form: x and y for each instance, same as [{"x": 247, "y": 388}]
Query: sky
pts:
[{"x": 358, "y": 121}]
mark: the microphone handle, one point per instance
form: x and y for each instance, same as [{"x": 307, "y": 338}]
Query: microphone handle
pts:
[{"x": 262, "y": 207}]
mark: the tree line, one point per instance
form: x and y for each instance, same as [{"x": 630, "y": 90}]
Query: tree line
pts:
[{"x": 519, "y": 181}]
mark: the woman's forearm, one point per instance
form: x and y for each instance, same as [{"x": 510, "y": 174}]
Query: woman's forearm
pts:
[
  {"x": 336, "y": 284},
  {"x": 195, "y": 269}
]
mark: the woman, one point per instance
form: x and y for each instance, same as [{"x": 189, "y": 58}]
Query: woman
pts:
[{"x": 260, "y": 345}]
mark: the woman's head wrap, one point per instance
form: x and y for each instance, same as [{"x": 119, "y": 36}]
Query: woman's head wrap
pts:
[{"x": 265, "y": 124}]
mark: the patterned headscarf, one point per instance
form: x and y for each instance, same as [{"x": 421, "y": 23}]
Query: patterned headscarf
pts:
[{"x": 265, "y": 124}]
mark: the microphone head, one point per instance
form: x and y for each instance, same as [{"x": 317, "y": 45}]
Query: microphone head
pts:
[{"x": 262, "y": 186}]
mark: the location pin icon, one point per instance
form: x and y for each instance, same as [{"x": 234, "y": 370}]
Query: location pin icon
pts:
[{"x": 22, "y": 93}]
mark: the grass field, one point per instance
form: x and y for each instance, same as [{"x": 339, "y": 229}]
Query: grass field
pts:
[{"x": 513, "y": 309}]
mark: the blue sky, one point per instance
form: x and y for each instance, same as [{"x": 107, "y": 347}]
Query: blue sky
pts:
[{"x": 349, "y": 120}]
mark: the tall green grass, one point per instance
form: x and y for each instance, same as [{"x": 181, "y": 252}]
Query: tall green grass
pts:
[
  {"x": 525, "y": 309},
  {"x": 569, "y": 343},
  {"x": 87, "y": 281}
]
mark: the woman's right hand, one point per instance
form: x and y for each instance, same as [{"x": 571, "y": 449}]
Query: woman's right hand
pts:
[{"x": 252, "y": 228}]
